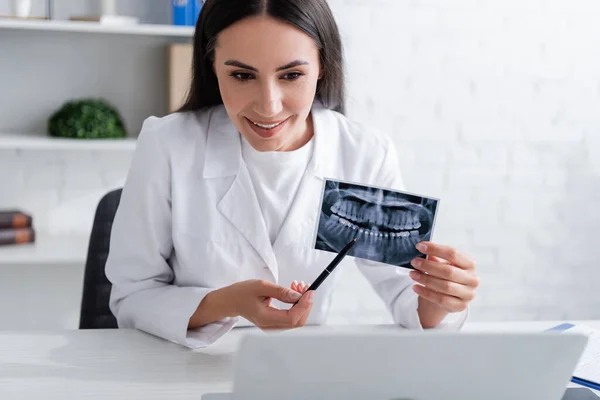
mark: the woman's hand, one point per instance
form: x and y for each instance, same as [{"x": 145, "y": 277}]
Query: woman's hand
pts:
[
  {"x": 299, "y": 287},
  {"x": 251, "y": 299},
  {"x": 447, "y": 278}
]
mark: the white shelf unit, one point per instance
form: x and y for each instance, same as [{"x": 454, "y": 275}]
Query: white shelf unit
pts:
[
  {"x": 28, "y": 141},
  {"x": 96, "y": 27},
  {"x": 49, "y": 45},
  {"x": 47, "y": 249}
]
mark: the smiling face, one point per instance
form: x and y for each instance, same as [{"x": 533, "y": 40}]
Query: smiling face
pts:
[{"x": 267, "y": 72}]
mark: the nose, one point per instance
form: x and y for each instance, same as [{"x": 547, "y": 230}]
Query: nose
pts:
[{"x": 269, "y": 100}]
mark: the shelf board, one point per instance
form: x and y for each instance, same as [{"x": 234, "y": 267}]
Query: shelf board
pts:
[
  {"x": 30, "y": 141},
  {"x": 47, "y": 249},
  {"x": 96, "y": 27}
]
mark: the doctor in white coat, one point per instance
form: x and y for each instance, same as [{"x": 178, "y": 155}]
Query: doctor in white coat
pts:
[{"x": 217, "y": 216}]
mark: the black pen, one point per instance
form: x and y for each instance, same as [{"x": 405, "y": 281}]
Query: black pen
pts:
[{"x": 327, "y": 271}]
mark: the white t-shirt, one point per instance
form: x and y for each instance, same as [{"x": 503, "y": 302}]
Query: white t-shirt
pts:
[{"x": 276, "y": 176}]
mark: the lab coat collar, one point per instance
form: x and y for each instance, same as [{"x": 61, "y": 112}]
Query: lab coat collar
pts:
[
  {"x": 223, "y": 146},
  {"x": 223, "y": 158},
  {"x": 223, "y": 155}
]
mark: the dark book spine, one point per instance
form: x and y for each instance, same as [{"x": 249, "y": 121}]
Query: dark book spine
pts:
[
  {"x": 16, "y": 236},
  {"x": 15, "y": 220}
]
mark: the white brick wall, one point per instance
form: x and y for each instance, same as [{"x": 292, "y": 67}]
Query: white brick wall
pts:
[
  {"x": 60, "y": 188},
  {"x": 493, "y": 107}
]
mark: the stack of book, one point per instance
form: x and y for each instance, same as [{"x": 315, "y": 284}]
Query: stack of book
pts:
[{"x": 16, "y": 227}]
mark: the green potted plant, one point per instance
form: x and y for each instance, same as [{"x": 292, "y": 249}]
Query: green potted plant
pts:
[{"x": 87, "y": 119}]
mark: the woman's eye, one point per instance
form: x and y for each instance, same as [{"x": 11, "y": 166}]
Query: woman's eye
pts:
[
  {"x": 242, "y": 76},
  {"x": 292, "y": 76}
]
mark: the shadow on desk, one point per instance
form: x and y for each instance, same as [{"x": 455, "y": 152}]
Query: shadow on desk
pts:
[{"x": 115, "y": 355}]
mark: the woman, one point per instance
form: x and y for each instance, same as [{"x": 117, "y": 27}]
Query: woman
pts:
[{"x": 218, "y": 211}]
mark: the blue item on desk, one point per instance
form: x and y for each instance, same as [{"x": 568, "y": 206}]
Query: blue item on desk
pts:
[
  {"x": 574, "y": 379},
  {"x": 183, "y": 11}
]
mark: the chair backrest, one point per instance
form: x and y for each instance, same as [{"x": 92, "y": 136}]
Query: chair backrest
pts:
[{"x": 95, "y": 312}]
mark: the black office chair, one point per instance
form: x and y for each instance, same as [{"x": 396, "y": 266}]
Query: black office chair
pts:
[{"x": 95, "y": 312}]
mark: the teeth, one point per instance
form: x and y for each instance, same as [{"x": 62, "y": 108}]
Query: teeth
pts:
[
  {"x": 351, "y": 215},
  {"x": 266, "y": 126},
  {"x": 396, "y": 221},
  {"x": 403, "y": 222}
]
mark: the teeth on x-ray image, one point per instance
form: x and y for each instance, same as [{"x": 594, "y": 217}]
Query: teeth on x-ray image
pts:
[{"x": 387, "y": 223}]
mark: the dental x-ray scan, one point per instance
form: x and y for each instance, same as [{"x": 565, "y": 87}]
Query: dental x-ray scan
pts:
[{"x": 386, "y": 223}]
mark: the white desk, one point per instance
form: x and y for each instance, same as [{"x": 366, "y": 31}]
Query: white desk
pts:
[{"x": 111, "y": 364}]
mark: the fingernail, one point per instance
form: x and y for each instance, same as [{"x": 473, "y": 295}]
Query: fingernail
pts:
[
  {"x": 295, "y": 296},
  {"x": 310, "y": 296},
  {"x": 421, "y": 247},
  {"x": 414, "y": 275},
  {"x": 416, "y": 262}
]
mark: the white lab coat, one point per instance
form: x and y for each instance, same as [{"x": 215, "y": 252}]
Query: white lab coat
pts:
[{"x": 189, "y": 222}]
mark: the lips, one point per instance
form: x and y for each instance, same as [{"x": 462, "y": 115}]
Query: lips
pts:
[{"x": 267, "y": 129}]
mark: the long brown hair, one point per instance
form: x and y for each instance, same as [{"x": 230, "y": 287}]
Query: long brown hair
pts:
[{"x": 313, "y": 17}]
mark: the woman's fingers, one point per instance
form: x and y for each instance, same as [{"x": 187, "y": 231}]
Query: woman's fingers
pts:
[
  {"x": 449, "y": 253},
  {"x": 443, "y": 286},
  {"x": 447, "y": 302},
  {"x": 308, "y": 297},
  {"x": 299, "y": 287},
  {"x": 303, "y": 287},
  {"x": 294, "y": 317},
  {"x": 437, "y": 259},
  {"x": 443, "y": 270},
  {"x": 269, "y": 289}
]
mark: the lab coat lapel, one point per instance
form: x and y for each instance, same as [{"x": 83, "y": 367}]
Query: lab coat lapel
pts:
[
  {"x": 223, "y": 158},
  {"x": 299, "y": 227}
]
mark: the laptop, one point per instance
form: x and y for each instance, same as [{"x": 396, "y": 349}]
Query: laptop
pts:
[{"x": 394, "y": 364}]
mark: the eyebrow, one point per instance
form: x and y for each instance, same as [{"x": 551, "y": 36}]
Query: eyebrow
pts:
[{"x": 240, "y": 64}]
